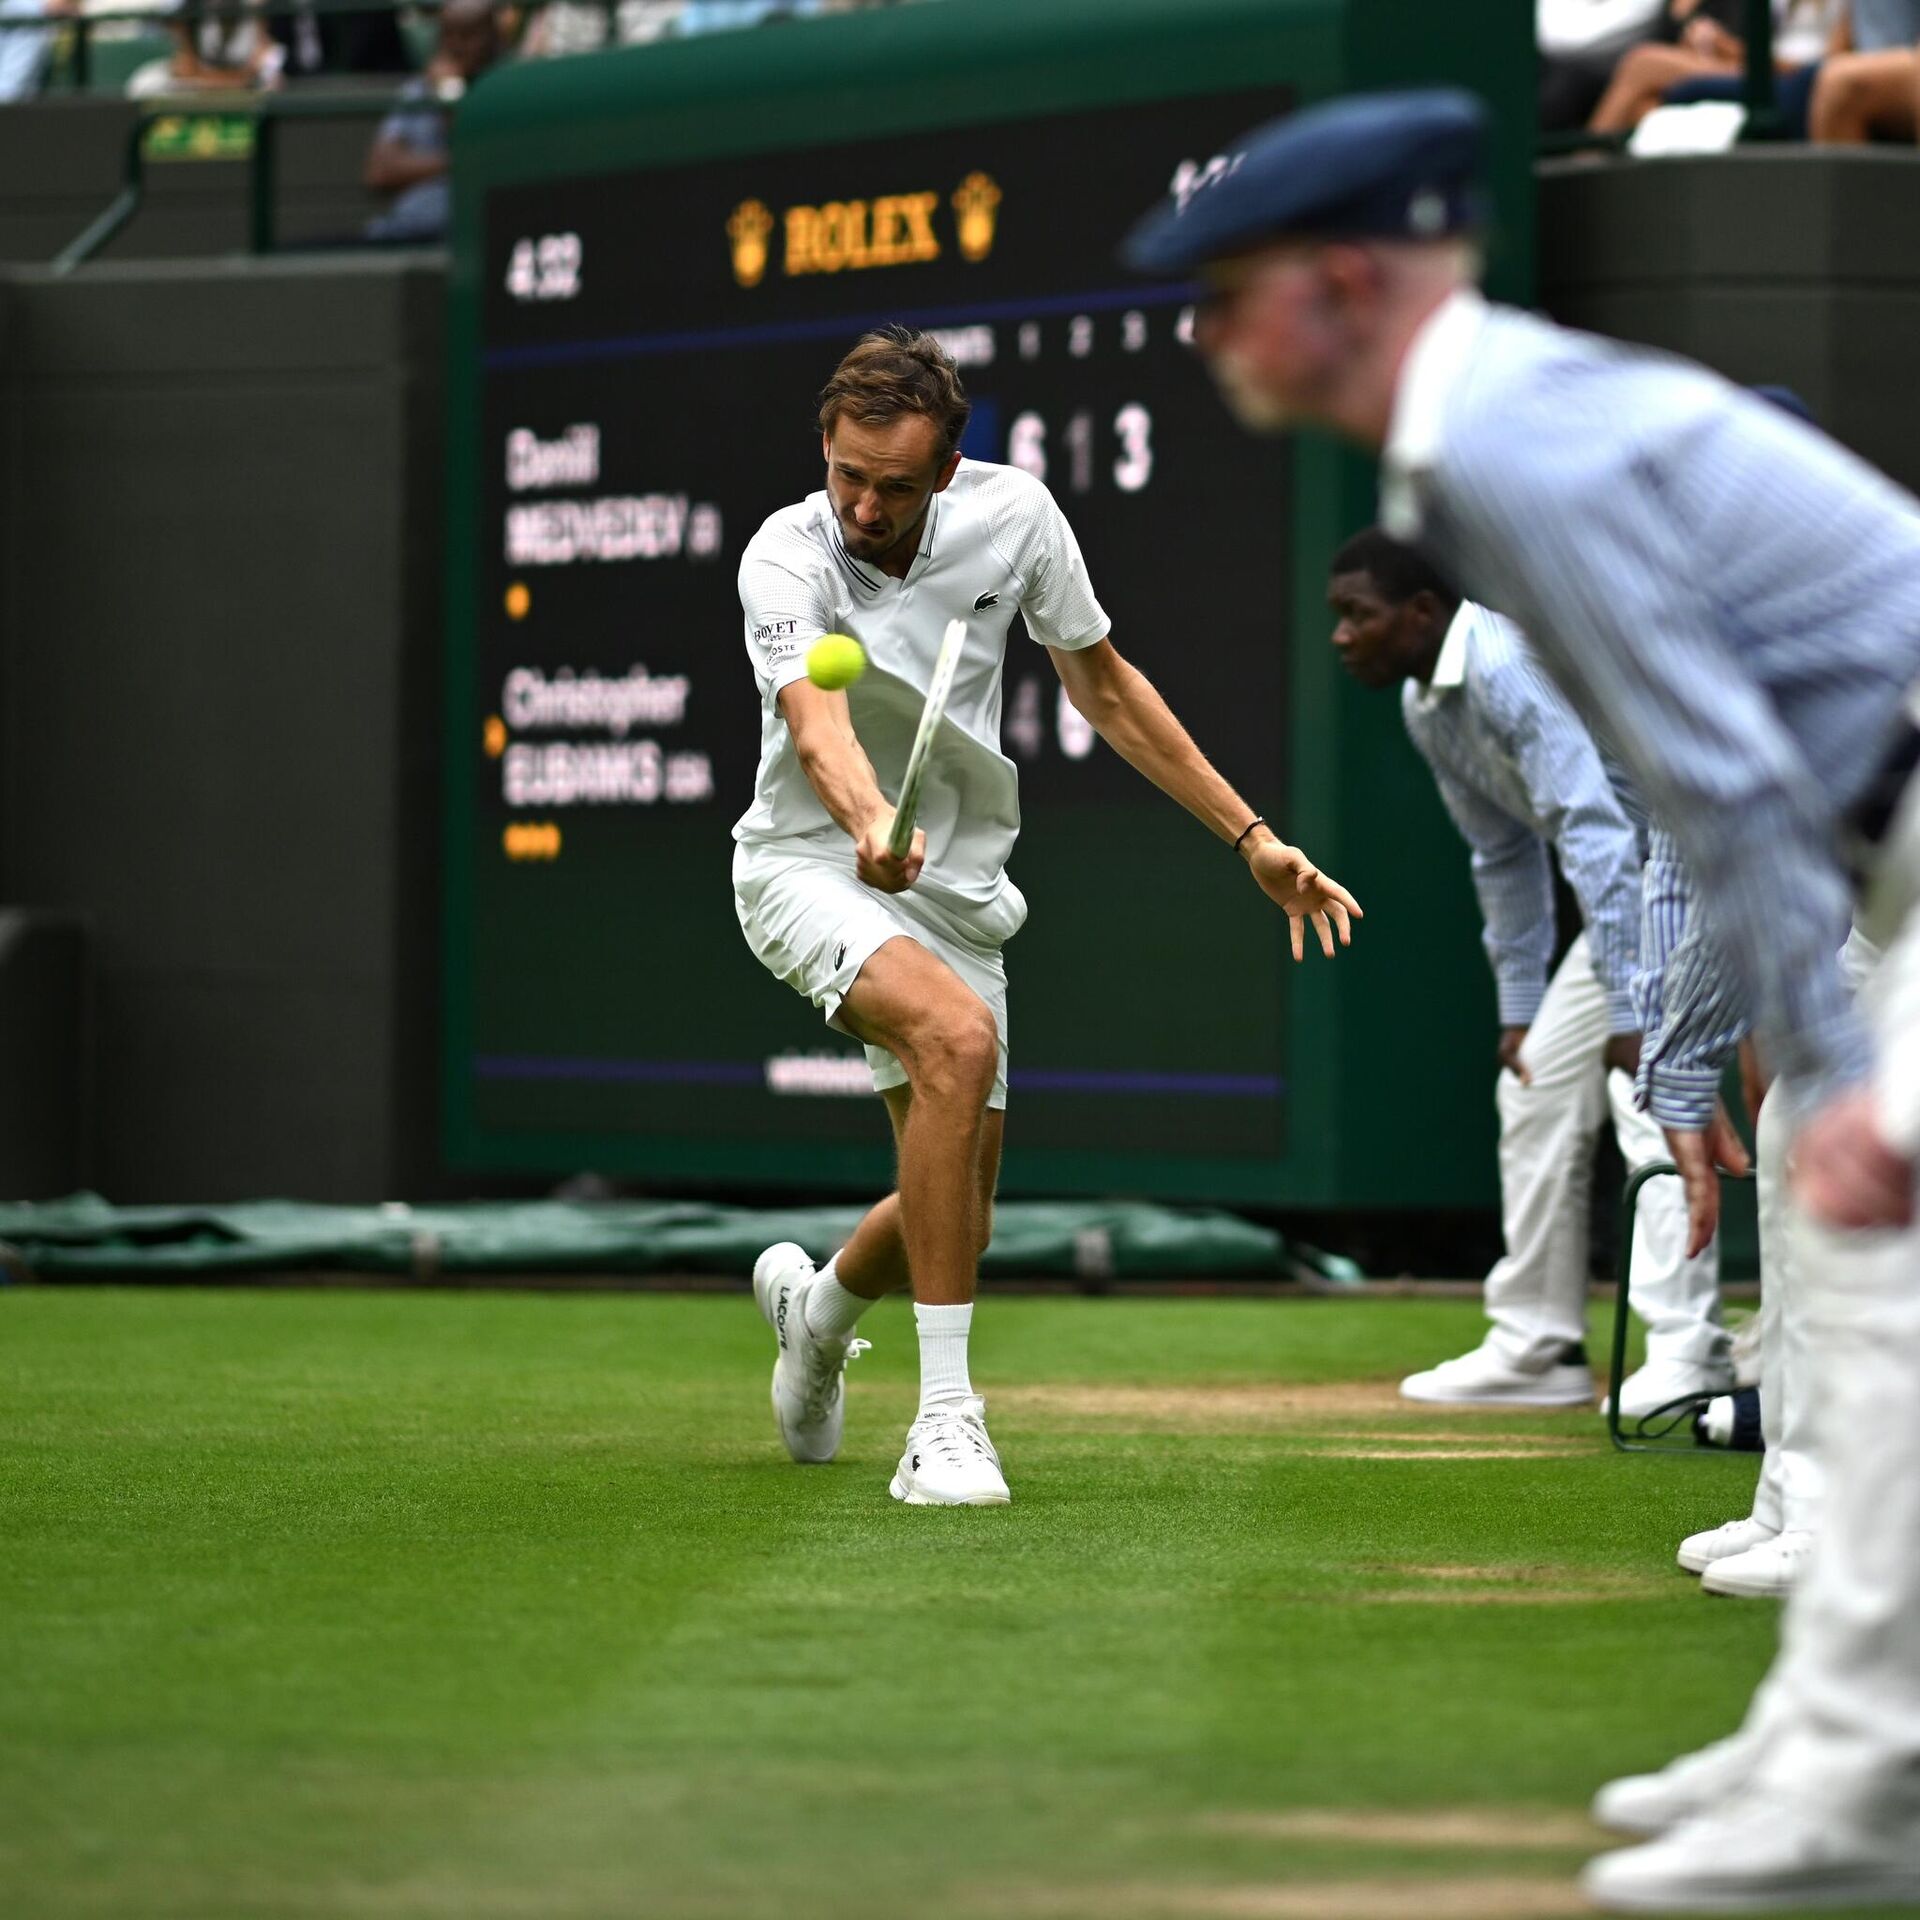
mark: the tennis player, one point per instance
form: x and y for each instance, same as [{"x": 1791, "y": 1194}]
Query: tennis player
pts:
[{"x": 905, "y": 953}]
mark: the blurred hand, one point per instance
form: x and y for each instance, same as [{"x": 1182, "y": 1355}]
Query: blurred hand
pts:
[
  {"x": 1845, "y": 1173},
  {"x": 1287, "y": 877},
  {"x": 874, "y": 862},
  {"x": 1622, "y": 1054},
  {"x": 1512, "y": 1039},
  {"x": 1701, "y": 1158},
  {"x": 1712, "y": 41}
]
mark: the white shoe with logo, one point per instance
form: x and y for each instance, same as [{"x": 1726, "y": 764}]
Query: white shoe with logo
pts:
[
  {"x": 1487, "y": 1378},
  {"x": 1761, "y": 1853},
  {"x": 950, "y": 1462},
  {"x": 1652, "y": 1803},
  {"x": 1769, "y": 1571},
  {"x": 809, "y": 1396},
  {"x": 1661, "y": 1382},
  {"x": 1698, "y": 1551}
]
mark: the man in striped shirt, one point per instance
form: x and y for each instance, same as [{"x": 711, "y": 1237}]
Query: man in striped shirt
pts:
[
  {"x": 1520, "y": 776},
  {"x": 1732, "y": 603}
]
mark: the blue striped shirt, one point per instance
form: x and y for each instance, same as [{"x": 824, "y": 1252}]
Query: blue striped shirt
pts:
[
  {"x": 1690, "y": 1004},
  {"x": 1728, "y": 597},
  {"x": 1518, "y": 773}
]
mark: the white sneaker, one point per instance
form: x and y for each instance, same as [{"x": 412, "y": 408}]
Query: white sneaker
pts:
[
  {"x": 1757, "y": 1854},
  {"x": 1487, "y": 1378},
  {"x": 1661, "y": 1382},
  {"x": 1766, "y": 1572},
  {"x": 1698, "y": 1551},
  {"x": 950, "y": 1462},
  {"x": 809, "y": 1397},
  {"x": 1652, "y": 1803}
]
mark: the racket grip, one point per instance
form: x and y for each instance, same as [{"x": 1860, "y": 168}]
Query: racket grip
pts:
[{"x": 901, "y": 838}]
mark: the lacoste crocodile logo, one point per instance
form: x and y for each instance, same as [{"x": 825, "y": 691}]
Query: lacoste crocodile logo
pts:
[{"x": 985, "y": 601}]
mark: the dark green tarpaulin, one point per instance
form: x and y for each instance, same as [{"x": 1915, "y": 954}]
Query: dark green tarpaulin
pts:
[{"x": 84, "y": 1237}]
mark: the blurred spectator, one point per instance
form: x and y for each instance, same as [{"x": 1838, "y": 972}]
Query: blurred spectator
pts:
[
  {"x": 1708, "y": 62},
  {"x": 26, "y": 49},
  {"x": 719, "y": 16},
  {"x": 218, "y": 49},
  {"x": 1868, "y": 87},
  {"x": 580, "y": 26},
  {"x": 1581, "y": 42},
  {"x": 408, "y": 157},
  {"x": 314, "y": 42}
]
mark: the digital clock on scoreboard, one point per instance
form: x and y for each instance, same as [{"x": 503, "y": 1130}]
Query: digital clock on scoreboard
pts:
[{"x": 648, "y": 341}]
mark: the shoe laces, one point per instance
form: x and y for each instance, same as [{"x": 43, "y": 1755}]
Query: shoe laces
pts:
[
  {"x": 823, "y": 1362},
  {"x": 960, "y": 1434}
]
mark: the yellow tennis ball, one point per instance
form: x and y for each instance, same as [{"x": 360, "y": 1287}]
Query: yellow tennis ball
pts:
[{"x": 835, "y": 660}]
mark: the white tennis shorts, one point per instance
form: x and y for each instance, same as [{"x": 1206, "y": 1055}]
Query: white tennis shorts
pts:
[{"x": 814, "y": 924}]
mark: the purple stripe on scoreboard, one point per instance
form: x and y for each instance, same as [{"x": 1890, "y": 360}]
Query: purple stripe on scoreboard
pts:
[
  {"x": 703, "y": 1073},
  {"x": 633, "y": 346},
  {"x": 740, "y": 1073},
  {"x": 1205, "y": 1086}
]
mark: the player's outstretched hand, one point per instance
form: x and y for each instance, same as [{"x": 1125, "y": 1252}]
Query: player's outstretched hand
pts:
[
  {"x": 875, "y": 864},
  {"x": 1288, "y": 877}
]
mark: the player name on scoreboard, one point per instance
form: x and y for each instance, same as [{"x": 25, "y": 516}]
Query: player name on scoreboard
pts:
[
  {"x": 610, "y": 528},
  {"x": 612, "y": 771}
]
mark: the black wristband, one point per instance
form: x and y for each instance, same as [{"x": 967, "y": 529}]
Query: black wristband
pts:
[{"x": 1258, "y": 820}]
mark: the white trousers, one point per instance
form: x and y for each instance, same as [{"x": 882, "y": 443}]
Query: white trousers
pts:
[
  {"x": 1839, "y": 1714},
  {"x": 1536, "y": 1296},
  {"x": 1792, "y": 1481}
]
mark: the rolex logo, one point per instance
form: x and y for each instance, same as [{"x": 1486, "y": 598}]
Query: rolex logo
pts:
[
  {"x": 977, "y": 201},
  {"x": 748, "y": 230}
]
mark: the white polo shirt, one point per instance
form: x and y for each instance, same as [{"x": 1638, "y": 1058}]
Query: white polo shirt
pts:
[{"x": 994, "y": 544}]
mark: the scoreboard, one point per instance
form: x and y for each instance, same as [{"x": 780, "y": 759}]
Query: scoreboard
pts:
[{"x": 650, "y": 292}]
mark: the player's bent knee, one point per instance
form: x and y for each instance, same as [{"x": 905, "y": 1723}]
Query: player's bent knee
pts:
[{"x": 960, "y": 1055}]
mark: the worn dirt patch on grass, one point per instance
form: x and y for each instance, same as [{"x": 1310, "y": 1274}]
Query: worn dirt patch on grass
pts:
[
  {"x": 1505, "y": 1897},
  {"x": 1478, "y": 1829},
  {"x": 1258, "y": 1405},
  {"x": 1421, "y": 1448},
  {"x": 1455, "y": 1586},
  {"x": 1420, "y": 1437}
]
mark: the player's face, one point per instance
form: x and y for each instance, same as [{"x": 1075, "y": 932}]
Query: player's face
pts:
[
  {"x": 1378, "y": 643},
  {"x": 880, "y": 479},
  {"x": 1270, "y": 334}
]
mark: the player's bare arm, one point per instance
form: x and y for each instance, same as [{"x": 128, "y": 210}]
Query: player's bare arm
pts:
[
  {"x": 839, "y": 771},
  {"x": 1125, "y": 708}
]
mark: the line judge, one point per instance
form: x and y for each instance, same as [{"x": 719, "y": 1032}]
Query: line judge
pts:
[{"x": 1732, "y": 602}]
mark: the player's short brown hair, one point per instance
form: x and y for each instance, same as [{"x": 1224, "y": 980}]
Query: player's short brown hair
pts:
[{"x": 894, "y": 371}]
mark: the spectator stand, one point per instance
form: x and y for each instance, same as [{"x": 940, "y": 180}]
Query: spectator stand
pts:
[{"x": 247, "y": 125}]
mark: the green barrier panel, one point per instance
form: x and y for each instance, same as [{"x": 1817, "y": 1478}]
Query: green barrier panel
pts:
[
  {"x": 658, "y": 256},
  {"x": 83, "y": 1237}
]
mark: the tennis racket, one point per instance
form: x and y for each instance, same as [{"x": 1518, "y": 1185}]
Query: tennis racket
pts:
[{"x": 952, "y": 644}]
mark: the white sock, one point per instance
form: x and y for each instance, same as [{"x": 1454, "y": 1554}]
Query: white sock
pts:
[
  {"x": 943, "y": 1357},
  {"x": 831, "y": 1309}
]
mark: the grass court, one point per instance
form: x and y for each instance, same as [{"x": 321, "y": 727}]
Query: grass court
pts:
[{"x": 412, "y": 1605}]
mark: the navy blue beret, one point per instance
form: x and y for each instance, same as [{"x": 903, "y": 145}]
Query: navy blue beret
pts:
[{"x": 1372, "y": 165}]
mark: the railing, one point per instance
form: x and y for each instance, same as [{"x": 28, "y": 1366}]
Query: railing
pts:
[{"x": 266, "y": 113}]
